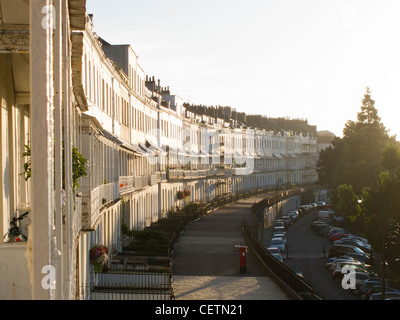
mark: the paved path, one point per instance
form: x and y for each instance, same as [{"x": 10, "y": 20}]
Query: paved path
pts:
[{"x": 206, "y": 263}]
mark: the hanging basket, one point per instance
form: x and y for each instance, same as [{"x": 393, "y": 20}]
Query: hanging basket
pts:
[
  {"x": 180, "y": 195},
  {"x": 98, "y": 257}
]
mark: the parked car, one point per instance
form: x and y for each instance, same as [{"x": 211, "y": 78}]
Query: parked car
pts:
[
  {"x": 355, "y": 242},
  {"x": 272, "y": 250},
  {"x": 360, "y": 277},
  {"x": 287, "y": 220},
  {"x": 277, "y": 256},
  {"x": 320, "y": 221},
  {"x": 332, "y": 262},
  {"x": 302, "y": 210},
  {"x": 393, "y": 295},
  {"x": 278, "y": 228},
  {"x": 321, "y": 204},
  {"x": 280, "y": 235},
  {"x": 323, "y": 231},
  {"x": 374, "y": 282},
  {"x": 305, "y": 208},
  {"x": 338, "y": 236},
  {"x": 279, "y": 223},
  {"x": 379, "y": 289},
  {"x": 278, "y": 243},
  {"x": 320, "y": 226},
  {"x": 294, "y": 215},
  {"x": 342, "y": 249},
  {"x": 358, "y": 266},
  {"x": 360, "y": 257},
  {"x": 335, "y": 230},
  {"x": 353, "y": 236},
  {"x": 313, "y": 206}
]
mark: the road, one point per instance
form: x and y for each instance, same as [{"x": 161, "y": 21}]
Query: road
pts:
[{"x": 306, "y": 255}]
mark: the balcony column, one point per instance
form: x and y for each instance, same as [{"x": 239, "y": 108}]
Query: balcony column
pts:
[
  {"x": 42, "y": 110},
  {"x": 58, "y": 60}
]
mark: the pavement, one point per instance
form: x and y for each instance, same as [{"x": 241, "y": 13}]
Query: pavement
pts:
[{"x": 206, "y": 263}]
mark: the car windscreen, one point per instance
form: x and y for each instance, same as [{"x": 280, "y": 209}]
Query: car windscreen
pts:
[{"x": 358, "y": 250}]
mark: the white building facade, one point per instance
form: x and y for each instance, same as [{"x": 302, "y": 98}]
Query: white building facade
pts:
[{"x": 142, "y": 145}]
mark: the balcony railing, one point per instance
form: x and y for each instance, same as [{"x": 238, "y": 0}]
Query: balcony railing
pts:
[
  {"x": 215, "y": 172},
  {"x": 161, "y": 176},
  {"x": 176, "y": 174},
  {"x": 141, "y": 182},
  {"x": 14, "y": 272},
  {"x": 152, "y": 179},
  {"x": 94, "y": 200},
  {"x": 126, "y": 184},
  {"x": 77, "y": 218},
  {"x": 134, "y": 280},
  {"x": 191, "y": 174},
  {"x": 202, "y": 173}
]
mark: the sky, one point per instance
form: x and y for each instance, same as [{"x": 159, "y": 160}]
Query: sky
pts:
[{"x": 308, "y": 59}]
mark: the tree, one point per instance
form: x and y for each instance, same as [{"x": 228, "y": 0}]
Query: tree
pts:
[
  {"x": 347, "y": 203},
  {"x": 327, "y": 163},
  {"x": 355, "y": 159},
  {"x": 391, "y": 160},
  {"x": 368, "y": 114},
  {"x": 381, "y": 201}
]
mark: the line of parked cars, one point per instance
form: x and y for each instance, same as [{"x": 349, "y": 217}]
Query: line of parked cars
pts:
[
  {"x": 350, "y": 260},
  {"x": 278, "y": 242}
]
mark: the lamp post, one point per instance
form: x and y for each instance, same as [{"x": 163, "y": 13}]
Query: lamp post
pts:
[
  {"x": 392, "y": 236},
  {"x": 279, "y": 180}
]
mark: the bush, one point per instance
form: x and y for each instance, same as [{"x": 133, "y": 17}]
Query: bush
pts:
[
  {"x": 194, "y": 210},
  {"x": 146, "y": 241}
]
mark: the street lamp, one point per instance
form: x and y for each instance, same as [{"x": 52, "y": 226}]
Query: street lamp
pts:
[
  {"x": 279, "y": 180},
  {"x": 392, "y": 236}
]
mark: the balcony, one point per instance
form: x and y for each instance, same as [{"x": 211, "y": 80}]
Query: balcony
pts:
[
  {"x": 202, "y": 173},
  {"x": 94, "y": 200},
  {"x": 176, "y": 174},
  {"x": 242, "y": 171},
  {"x": 126, "y": 184},
  {"x": 77, "y": 217},
  {"x": 216, "y": 172},
  {"x": 131, "y": 277},
  {"x": 141, "y": 182},
  {"x": 161, "y": 176},
  {"x": 152, "y": 179},
  {"x": 14, "y": 274},
  {"x": 191, "y": 174}
]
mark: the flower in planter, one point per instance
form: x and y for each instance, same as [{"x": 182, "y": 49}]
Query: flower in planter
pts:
[
  {"x": 180, "y": 195},
  {"x": 98, "y": 256},
  {"x": 186, "y": 193}
]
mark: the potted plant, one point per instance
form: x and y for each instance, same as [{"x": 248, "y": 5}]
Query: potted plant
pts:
[
  {"x": 78, "y": 166},
  {"x": 180, "y": 195},
  {"x": 28, "y": 164},
  {"x": 98, "y": 257}
]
